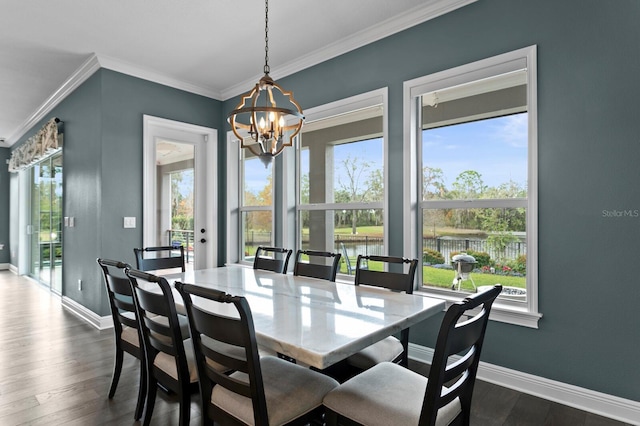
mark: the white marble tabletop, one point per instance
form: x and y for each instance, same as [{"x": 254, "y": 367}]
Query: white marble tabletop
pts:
[{"x": 314, "y": 321}]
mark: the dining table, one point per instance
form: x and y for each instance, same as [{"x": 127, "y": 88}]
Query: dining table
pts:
[{"x": 314, "y": 321}]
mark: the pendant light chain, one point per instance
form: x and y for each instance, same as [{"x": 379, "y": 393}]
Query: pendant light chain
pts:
[{"x": 266, "y": 37}]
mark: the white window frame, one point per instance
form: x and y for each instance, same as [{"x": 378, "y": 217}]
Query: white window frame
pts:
[
  {"x": 524, "y": 314},
  {"x": 235, "y": 207},
  {"x": 336, "y": 108}
]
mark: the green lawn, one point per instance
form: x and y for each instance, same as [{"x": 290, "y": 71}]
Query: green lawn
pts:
[
  {"x": 444, "y": 278},
  {"x": 371, "y": 231}
]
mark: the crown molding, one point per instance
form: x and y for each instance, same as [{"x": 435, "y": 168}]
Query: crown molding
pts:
[
  {"x": 79, "y": 76},
  {"x": 117, "y": 65},
  {"x": 86, "y": 70},
  {"x": 408, "y": 19}
]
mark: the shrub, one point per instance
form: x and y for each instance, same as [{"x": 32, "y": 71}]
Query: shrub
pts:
[
  {"x": 432, "y": 257},
  {"x": 519, "y": 264},
  {"x": 483, "y": 258}
]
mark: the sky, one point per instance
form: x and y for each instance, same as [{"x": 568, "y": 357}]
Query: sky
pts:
[{"x": 496, "y": 148}]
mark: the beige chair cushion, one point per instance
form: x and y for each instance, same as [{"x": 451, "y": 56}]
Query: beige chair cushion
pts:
[
  {"x": 386, "y": 394},
  {"x": 290, "y": 390},
  {"x": 167, "y": 363},
  {"x": 384, "y": 350},
  {"x": 130, "y": 335}
]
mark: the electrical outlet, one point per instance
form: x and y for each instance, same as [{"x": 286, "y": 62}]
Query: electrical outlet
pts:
[
  {"x": 79, "y": 285},
  {"x": 1, "y": 246}
]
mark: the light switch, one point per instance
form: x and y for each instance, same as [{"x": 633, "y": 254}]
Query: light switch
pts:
[{"x": 129, "y": 222}]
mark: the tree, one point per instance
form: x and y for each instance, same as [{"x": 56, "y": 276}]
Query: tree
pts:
[
  {"x": 263, "y": 219},
  {"x": 304, "y": 189},
  {"x": 375, "y": 192},
  {"x": 433, "y": 183},
  {"x": 500, "y": 236},
  {"x": 354, "y": 168},
  {"x": 182, "y": 200},
  {"x": 375, "y": 186},
  {"x": 468, "y": 185}
]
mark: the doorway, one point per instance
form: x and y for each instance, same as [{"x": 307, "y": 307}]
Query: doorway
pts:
[
  {"x": 45, "y": 229},
  {"x": 180, "y": 191}
]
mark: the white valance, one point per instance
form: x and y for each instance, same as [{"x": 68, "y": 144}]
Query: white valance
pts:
[{"x": 36, "y": 147}]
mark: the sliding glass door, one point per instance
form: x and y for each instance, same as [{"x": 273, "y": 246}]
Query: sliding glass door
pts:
[{"x": 46, "y": 222}]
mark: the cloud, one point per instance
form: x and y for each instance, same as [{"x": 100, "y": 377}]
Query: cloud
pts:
[{"x": 513, "y": 130}]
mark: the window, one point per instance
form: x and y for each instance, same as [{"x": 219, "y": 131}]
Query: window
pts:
[
  {"x": 46, "y": 221},
  {"x": 256, "y": 205},
  {"x": 475, "y": 177},
  {"x": 341, "y": 175}
]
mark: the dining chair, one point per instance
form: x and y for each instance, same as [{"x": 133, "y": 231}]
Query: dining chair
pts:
[
  {"x": 391, "y": 348},
  {"x": 259, "y": 391},
  {"x": 317, "y": 266},
  {"x": 274, "y": 259},
  {"x": 157, "y": 258},
  {"x": 168, "y": 350},
  {"x": 391, "y": 394},
  {"x": 125, "y": 326}
]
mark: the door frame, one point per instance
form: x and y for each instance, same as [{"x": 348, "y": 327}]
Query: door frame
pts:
[{"x": 152, "y": 126}]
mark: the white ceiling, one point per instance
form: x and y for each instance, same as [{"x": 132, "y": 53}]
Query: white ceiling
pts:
[{"x": 210, "y": 47}]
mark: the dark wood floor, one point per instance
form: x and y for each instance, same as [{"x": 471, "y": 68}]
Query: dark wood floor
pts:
[{"x": 55, "y": 370}]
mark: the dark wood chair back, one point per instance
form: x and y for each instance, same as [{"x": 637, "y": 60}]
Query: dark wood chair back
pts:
[
  {"x": 213, "y": 333},
  {"x": 123, "y": 314},
  {"x": 392, "y": 280},
  {"x": 274, "y": 259},
  {"x": 123, "y": 310},
  {"x": 322, "y": 270},
  {"x": 157, "y": 258},
  {"x": 458, "y": 338},
  {"x": 161, "y": 333}
]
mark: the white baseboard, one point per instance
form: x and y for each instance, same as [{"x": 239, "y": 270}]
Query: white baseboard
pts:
[
  {"x": 4, "y": 266},
  {"x": 101, "y": 323},
  {"x": 613, "y": 407}
]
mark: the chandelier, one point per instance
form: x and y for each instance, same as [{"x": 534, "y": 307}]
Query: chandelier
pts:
[{"x": 268, "y": 117}]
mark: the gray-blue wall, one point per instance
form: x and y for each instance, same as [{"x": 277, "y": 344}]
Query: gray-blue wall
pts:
[
  {"x": 588, "y": 91},
  {"x": 103, "y": 169},
  {"x": 589, "y": 151}
]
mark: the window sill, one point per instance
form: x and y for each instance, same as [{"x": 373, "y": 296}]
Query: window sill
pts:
[{"x": 502, "y": 311}]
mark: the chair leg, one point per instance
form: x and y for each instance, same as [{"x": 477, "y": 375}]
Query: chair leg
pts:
[
  {"x": 331, "y": 417},
  {"x": 117, "y": 369},
  {"x": 152, "y": 388},
  {"x": 404, "y": 339},
  {"x": 142, "y": 391},
  {"x": 206, "y": 421},
  {"x": 185, "y": 407}
]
